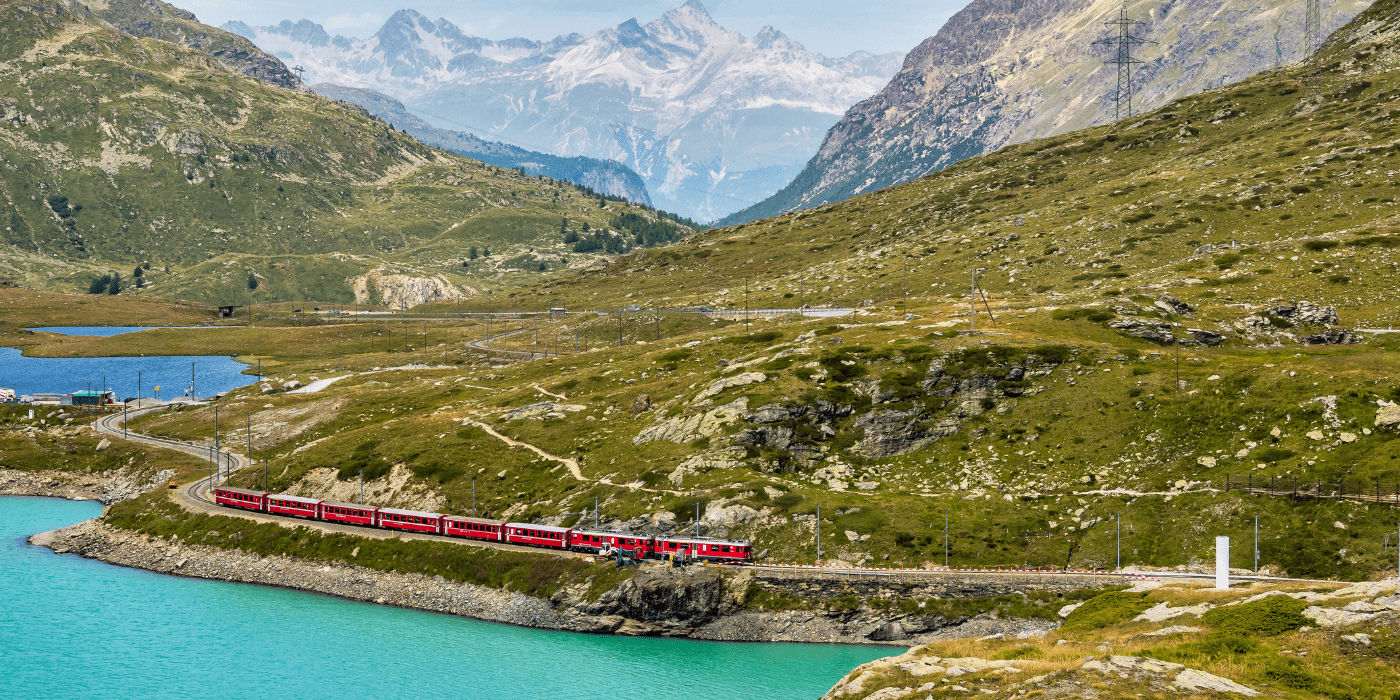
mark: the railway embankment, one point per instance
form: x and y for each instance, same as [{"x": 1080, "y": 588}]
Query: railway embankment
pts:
[{"x": 700, "y": 602}]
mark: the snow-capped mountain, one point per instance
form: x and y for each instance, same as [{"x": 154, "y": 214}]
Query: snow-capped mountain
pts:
[{"x": 712, "y": 120}]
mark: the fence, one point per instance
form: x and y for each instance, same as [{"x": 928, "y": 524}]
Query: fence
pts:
[{"x": 1374, "y": 491}]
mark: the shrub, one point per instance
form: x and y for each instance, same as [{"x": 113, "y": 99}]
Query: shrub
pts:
[
  {"x": 1272, "y": 454},
  {"x": 1216, "y": 647},
  {"x": 761, "y": 337},
  {"x": 1318, "y": 246},
  {"x": 1053, "y": 354},
  {"x": 1268, "y": 617},
  {"x": 829, "y": 330},
  {"x": 1104, "y": 610},
  {"x": 1227, "y": 261},
  {"x": 677, "y": 355},
  {"x": 903, "y": 539},
  {"x": 1140, "y": 370},
  {"x": 788, "y": 501}
]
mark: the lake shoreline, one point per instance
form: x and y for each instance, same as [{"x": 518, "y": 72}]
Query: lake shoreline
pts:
[{"x": 702, "y": 603}]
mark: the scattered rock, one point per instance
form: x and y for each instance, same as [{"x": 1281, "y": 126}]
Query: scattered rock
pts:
[
  {"x": 1359, "y": 638},
  {"x": 291, "y": 384},
  {"x": 641, "y": 404},
  {"x": 737, "y": 380},
  {"x": 1172, "y": 305},
  {"x": 103, "y": 444},
  {"x": 1174, "y": 629},
  {"x": 1156, "y": 331},
  {"x": 1066, "y": 610},
  {"x": 1334, "y": 617}
]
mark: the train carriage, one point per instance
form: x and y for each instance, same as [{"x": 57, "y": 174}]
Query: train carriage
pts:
[
  {"x": 241, "y": 498},
  {"x": 706, "y": 548},
  {"x": 639, "y": 546},
  {"x": 299, "y": 506},
  {"x": 353, "y": 513},
  {"x": 410, "y": 520},
  {"x": 538, "y": 535},
  {"x": 473, "y": 528}
]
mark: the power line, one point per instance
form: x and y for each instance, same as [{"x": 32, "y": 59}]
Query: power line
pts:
[{"x": 1123, "y": 58}]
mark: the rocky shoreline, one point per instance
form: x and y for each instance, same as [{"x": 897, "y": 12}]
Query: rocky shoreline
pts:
[
  {"x": 104, "y": 487},
  {"x": 703, "y": 603}
]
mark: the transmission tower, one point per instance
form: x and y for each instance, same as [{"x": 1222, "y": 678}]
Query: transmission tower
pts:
[
  {"x": 1123, "y": 45},
  {"x": 298, "y": 70},
  {"x": 1312, "y": 27}
]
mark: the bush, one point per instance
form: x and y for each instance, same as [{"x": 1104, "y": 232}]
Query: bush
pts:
[
  {"x": 1268, "y": 617},
  {"x": 787, "y": 501},
  {"x": 1104, "y": 610},
  {"x": 675, "y": 356},
  {"x": 1318, "y": 246},
  {"x": 903, "y": 539},
  {"x": 1140, "y": 370},
  {"x": 1216, "y": 647},
  {"x": 765, "y": 337},
  {"x": 1228, "y": 260},
  {"x": 1053, "y": 354},
  {"x": 1272, "y": 454}
]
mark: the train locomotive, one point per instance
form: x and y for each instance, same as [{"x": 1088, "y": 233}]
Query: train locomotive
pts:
[{"x": 585, "y": 540}]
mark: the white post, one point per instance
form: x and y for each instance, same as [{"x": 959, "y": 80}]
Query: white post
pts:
[{"x": 1222, "y": 563}]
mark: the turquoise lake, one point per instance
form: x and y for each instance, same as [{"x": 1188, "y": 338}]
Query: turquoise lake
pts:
[
  {"x": 63, "y": 375},
  {"x": 77, "y": 628}
]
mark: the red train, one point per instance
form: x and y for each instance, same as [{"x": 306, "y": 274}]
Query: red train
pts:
[{"x": 547, "y": 536}]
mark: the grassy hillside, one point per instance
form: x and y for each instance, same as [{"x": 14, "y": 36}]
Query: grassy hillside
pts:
[
  {"x": 207, "y": 176},
  {"x": 1280, "y": 187}
]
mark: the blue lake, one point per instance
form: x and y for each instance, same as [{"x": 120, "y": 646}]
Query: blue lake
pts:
[
  {"x": 109, "y": 331},
  {"x": 77, "y": 628},
  {"x": 29, "y": 375}
]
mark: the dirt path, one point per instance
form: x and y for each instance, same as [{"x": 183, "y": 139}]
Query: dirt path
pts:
[{"x": 572, "y": 464}]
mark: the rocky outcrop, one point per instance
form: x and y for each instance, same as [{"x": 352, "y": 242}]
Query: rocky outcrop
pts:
[
  {"x": 1306, "y": 313},
  {"x": 1388, "y": 415},
  {"x": 403, "y": 291},
  {"x": 693, "y": 427},
  {"x": 1156, "y": 331},
  {"x": 105, "y": 487},
  {"x": 1331, "y": 336},
  {"x": 728, "y": 382},
  {"x": 152, "y": 19}
]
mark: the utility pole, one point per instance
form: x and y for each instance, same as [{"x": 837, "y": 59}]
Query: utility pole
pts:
[
  {"x": 1123, "y": 45},
  {"x": 945, "y": 538},
  {"x": 1256, "y": 544},
  {"x": 1312, "y": 27},
  {"x": 906, "y": 286},
  {"x": 474, "y": 498},
  {"x": 973, "y": 301},
  {"x": 362, "y": 485},
  {"x": 801, "y": 294},
  {"x": 264, "y": 473},
  {"x": 746, "y": 305},
  {"x": 250, "y": 436},
  {"x": 192, "y": 394},
  {"x": 819, "y": 535},
  {"x": 1120, "y": 541},
  {"x": 216, "y": 435},
  {"x": 138, "y": 387},
  {"x": 595, "y": 512},
  {"x": 125, "y": 417}
]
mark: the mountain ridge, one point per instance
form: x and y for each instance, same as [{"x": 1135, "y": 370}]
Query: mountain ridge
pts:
[
  {"x": 1007, "y": 71},
  {"x": 605, "y": 177},
  {"x": 709, "y": 118}
]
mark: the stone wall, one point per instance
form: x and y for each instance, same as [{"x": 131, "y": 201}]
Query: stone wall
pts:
[{"x": 900, "y": 585}]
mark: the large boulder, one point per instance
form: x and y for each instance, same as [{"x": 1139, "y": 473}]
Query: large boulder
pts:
[
  {"x": 1332, "y": 336},
  {"x": 693, "y": 427},
  {"x": 1388, "y": 415},
  {"x": 1156, "y": 331},
  {"x": 1172, "y": 305},
  {"x": 736, "y": 380},
  {"x": 1306, "y": 313},
  {"x": 725, "y": 458}
]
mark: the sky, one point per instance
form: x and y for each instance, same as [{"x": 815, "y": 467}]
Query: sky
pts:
[{"x": 828, "y": 27}]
